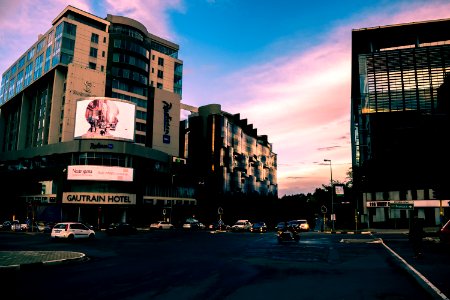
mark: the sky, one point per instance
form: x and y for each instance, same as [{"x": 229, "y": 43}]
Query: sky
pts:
[{"x": 282, "y": 65}]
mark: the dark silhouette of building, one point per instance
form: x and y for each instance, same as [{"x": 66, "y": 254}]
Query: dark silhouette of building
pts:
[{"x": 400, "y": 120}]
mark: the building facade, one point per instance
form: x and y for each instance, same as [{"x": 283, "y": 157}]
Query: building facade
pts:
[
  {"x": 89, "y": 124},
  {"x": 400, "y": 122},
  {"x": 228, "y": 154}
]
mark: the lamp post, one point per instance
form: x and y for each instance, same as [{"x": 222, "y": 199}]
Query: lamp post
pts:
[{"x": 332, "y": 192}]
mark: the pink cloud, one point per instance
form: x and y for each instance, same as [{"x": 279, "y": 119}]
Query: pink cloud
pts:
[
  {"x": 302, "y": 100},
  {"x": 151, "y": 13},
  {"x": 21, "y": 22}
]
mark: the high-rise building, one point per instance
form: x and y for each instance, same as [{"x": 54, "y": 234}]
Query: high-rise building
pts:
[
  {"x": 89, "y": 123},
  {"x": 400, "y": 121},
  {"x": 228, "y": 154}
]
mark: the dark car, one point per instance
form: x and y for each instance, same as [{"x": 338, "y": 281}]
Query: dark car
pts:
[
  {"x": 48, "y": 227},
  {"x": 280, "y": 226},
  {"x": 120, "y": 228},
  {"x": 258, "y": 227},
  {"x": 6, "y": 225},
  {"x": 444, "y": 233}
]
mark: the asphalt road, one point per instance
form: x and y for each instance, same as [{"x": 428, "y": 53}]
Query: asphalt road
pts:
[{"x": 204, "y": 265}]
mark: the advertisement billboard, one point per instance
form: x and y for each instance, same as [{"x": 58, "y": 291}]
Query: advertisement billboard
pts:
[
  {"x": 104, "y": 118},
  {"x": 99, "y": 173}
]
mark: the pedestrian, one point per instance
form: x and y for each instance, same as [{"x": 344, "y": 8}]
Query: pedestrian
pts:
[{"x": 416, "y": 234}]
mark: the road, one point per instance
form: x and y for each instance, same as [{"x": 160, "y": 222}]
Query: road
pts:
[{"x": 204, "y": 265}]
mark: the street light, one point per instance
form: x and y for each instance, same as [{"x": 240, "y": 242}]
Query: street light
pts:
[{"x": 332, "y": 192}]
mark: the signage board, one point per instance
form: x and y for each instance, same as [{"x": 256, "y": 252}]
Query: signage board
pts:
[
  {"x": 99, "y": 173},
  {"x": 98, "y": 198},
  {"x": 401, "y": 205}
]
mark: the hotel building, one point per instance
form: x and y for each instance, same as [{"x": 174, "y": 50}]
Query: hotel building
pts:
[
  {"x": 89, "y": 124},
  {"x": 400, "y": 121}
]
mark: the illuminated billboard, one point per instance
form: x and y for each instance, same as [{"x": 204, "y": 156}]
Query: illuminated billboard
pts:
[
  {"x": 104, "y": 118},
  {"x": 102, "y": 173}
]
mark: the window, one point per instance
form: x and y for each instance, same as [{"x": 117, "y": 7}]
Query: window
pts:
[
  {"x": 160, "y": 74},
  {"x": 102, "y": 68},
  {"x": 94, "y": 38},
  {"x": 28, "y": 74},
  {"x": 21, "y": 63},
  {"x": 68, "y": 44},
  {"x": 160, "y": 61},
  {"x": 38, "y": 66},
  {"x": 103, "y": 53},
  {"x": 153, "y": 57},
  {"x": 159, "y": 85},
  {"x": 48, "y": 57},
  {"x": 30, "y": 54},
  {"x": 93, "y": 52},
  {"x": 40, "y": 45},
  {"x": 92, "y": 66},
  {"x": 70, "y": 29}
]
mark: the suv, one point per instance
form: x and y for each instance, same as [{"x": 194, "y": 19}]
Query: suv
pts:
[
  {"x": 242, "y": 225},
  {"x": 71, "y": 231}
]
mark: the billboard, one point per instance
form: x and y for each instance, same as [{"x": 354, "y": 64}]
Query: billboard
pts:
[
  {"x": 104, "y": 118},
  {"x": 100, "y": 173}
]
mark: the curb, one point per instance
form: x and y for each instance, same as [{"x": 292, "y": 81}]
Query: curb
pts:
[
  {"x": 434, "y": 292},
  {"x": 37, "y": 259}
]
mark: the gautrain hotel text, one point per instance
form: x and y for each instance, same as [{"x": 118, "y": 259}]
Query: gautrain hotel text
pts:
[{"x": 99, "y": 198}]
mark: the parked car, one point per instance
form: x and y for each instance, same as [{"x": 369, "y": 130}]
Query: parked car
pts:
[
  {"x": 280, "y": 226},
  {"x": 191, "y": 224},
  {"x": 299, "y": 225},
  {"x": 71, "y": 231},
  {"x": 444, "y": 233},
  {"x": 161, "y": 225},
  {"x": 258, "y": 227},
  {"x": 6, "y": 225},
  {"x": 120, "y": 228},
  {"x": 242, "y": 225},
  {"x": 17, "y": 226},
  {"x": 48, "y": 227}
]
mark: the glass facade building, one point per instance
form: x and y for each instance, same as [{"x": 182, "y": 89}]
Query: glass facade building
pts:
[{"x": 400, "y": 120}]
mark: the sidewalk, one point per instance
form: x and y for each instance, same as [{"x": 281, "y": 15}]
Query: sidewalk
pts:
[{"x": 10, "y": 260}]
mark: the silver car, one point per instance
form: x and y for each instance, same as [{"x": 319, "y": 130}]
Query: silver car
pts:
[{"x": 71, "y": 231}]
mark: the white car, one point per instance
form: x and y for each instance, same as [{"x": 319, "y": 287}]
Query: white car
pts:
[
  {"x": 242, "y": 225},
  {"x": 161, "y": 225},
  {"x": 71, "y": 231}
]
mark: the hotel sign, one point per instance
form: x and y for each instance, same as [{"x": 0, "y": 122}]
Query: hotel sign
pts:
[
  {"x": 167, "y": 119},
  {"x": 99, "y": 198}
]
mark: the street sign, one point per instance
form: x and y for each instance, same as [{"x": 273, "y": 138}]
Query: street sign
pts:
[{"x": 401, "y": 205}]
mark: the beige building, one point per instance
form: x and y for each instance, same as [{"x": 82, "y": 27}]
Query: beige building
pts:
[{"x": 81, "y": 63}]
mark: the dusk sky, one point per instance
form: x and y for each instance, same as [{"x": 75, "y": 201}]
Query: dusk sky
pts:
[{"x": 283, "y": 65}]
